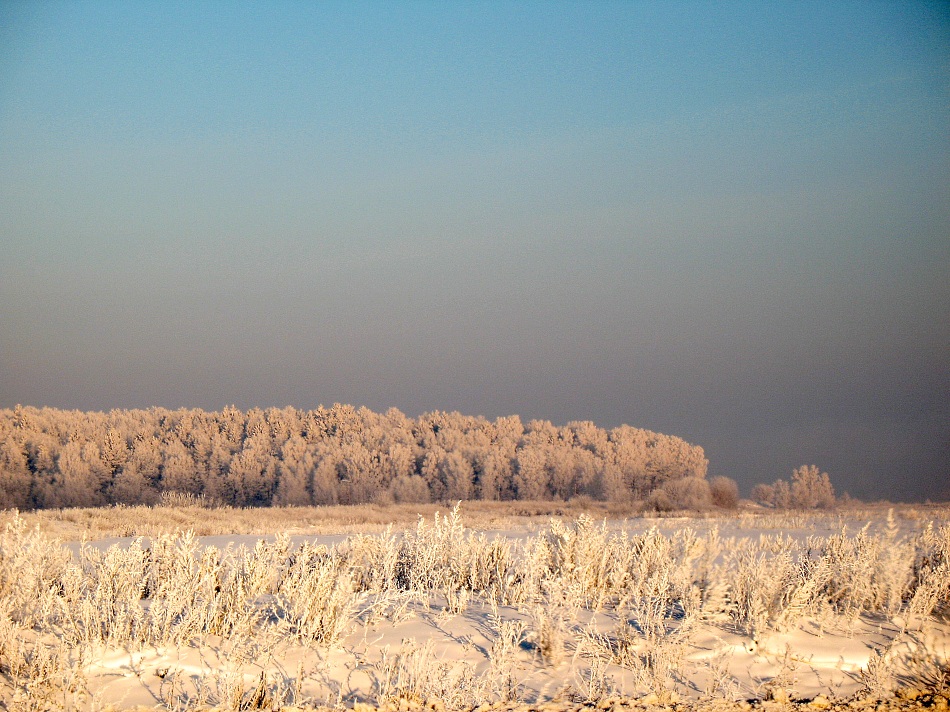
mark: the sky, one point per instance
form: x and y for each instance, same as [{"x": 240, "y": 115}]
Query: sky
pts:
[{"x": 724, "y": 221}]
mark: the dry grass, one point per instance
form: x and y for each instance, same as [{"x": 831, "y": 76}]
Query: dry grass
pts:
[
  {"x": 193, "y": 514},
  {"x": 185, "y": 513}
]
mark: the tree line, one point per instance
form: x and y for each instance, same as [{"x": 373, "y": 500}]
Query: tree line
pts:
[{"x": 52, "y": 458}]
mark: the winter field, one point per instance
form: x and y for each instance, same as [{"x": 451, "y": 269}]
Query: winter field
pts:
[{"x": 186, "y": 608}]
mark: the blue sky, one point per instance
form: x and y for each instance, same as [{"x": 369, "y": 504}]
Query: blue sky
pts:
[{"x": 729, "y": 222}]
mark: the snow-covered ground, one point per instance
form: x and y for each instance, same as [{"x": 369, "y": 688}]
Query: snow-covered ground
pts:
[
  {"x": 696, "y": 607},
  {"x": 433, "y": 654}
]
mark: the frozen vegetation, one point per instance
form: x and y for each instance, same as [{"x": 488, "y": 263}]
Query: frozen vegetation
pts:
[
  {"x": 187, "y": 560},
  {"x": 770, "y": 606},
  {"x": 339, "y": 455}
]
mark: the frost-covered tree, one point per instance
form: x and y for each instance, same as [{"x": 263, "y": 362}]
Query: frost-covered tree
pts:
[
  {"x": 724, "y": 492},
  {"x": 531, "y": 475},
  {"x": 324, "y": 456},
  {"x": 131, "y": 486},
  {"x": 179, "y": 472},
  {"x": 410, "y": 488},
  {"x": 781, "y": 494},
  {"x": 252, "y": 472},
  {"x": 295, "y": 474},
  {"x": 114, "y": 451},
  {"x": 326, "y": 489},
  {"x": 458, "y": 475},
  {"x": 81, "y": 476},
  {"x": 15, "y": 478},
  {"x": 360, "y": 473},
  {"x": 811, "y": 488}
]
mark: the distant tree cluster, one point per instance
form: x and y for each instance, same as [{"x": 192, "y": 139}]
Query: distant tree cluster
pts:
[
  {"x": 809, "y": 489},
  {"x": 338, "y": 455},
  {"x": 695, "y": 493}
]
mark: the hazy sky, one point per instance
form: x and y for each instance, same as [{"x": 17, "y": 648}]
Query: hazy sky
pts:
[{"x": 724, "y": 221}]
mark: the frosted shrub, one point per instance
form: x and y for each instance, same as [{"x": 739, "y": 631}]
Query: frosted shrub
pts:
[
  {"x": 661, "y": 566},
  {"x": 502, "y": 658},
  {"x": 690, "y": 493},
  {"x": 760, "y": 587},
  {"x": 877, "y": 677},
  {"x": 649, "y": 564},
  {"x": 806, "y": 594},
  {"x": 178, "y": 582},
  {"x": 374, "y": 562},
  {"x": 867, "y": 573},
  {"x": 315, "y": 600},
  {"x": 103, "y": 603},
  {"x": 489, "y": 563},
  {"x": 33, "y": 675},
  {"x": 416, "y": 673},
  {"x": 547, "y": 632},
  {"x": 589, "y": 563},
  {"x": 932, "y": 575},
  {"x": 664, "y": 637},
  {"x": 31, "y": 569},
  {"x": 441, "y": 556},
  {"x": 550, "y": 621}
]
